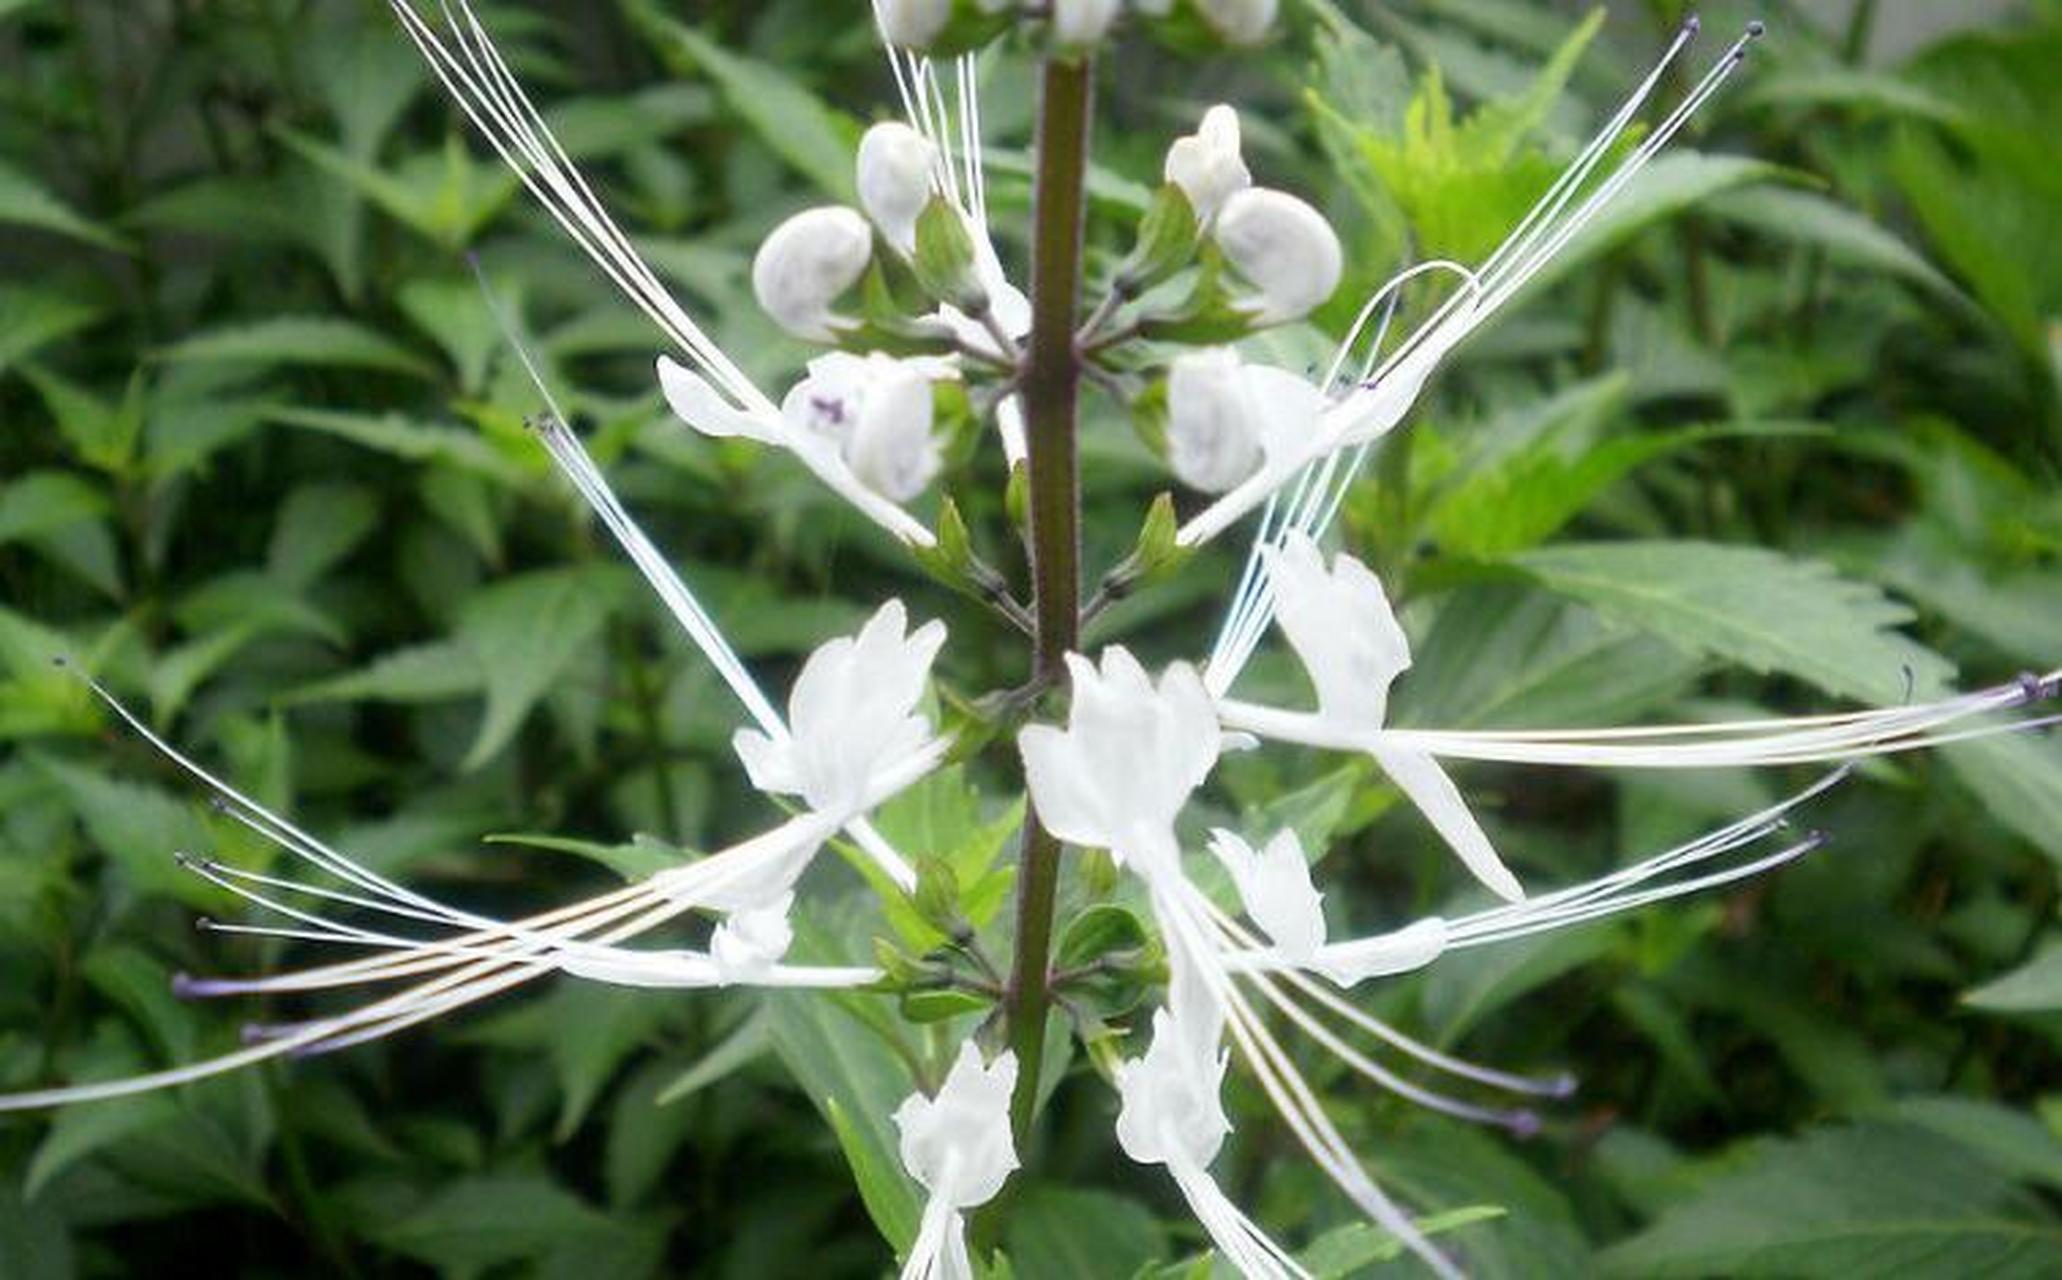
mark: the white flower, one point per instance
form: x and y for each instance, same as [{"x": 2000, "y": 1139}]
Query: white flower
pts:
[
  {"x": 1171, "y": 1111},
  {"x": 913, "y": 24},
  {"x": 1224, "y": 416},
  {"x": 876, "y": 411},
  {"x": 957, "y": 1143},
  {"x": 851, "y": 716},
  {"x": 1206, "y": 164},
  {"x": 1341, "y": 625},
  {"x": 1283, "y": 248},
  {"x": 1128, "y": 760},
  {"x": 897, "y": 168},
  {"x": 807, "y": 264},
  {"x": 1274, "y": 885},
  {"x": 1082, "y": 22}
]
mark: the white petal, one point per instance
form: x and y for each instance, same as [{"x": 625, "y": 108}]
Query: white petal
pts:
[{"x": 1420, "y": 777}]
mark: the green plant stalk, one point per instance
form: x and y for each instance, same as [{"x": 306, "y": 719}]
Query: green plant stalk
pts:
[{"x": 1050, "y": 392}]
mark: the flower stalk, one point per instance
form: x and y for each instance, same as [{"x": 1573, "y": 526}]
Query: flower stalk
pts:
[{"x": 1050, "y": 389}]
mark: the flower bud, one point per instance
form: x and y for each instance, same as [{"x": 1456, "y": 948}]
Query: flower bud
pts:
[
  {"x": 913, "y": 24},
  {"x": 1082, "y": 22},
  {"x": 806, "y": 264},
  {"x": 1238, "y": 21},
  {"x": 1213, "y": 441},
  {"x": 1206, "y": 164},
  {"x": 1283, "y": 248},
  {"x": 896, "y": 168}
]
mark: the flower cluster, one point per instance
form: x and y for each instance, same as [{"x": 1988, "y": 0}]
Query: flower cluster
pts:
[{"x": 909, "y": 294}]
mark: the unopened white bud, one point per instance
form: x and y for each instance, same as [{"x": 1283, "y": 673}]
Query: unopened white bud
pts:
[
  {"x": 1082, "y": 22},
  {"x": 1283, "y": 248},
  {"x": 913, "y": 24},
  {"x": 1239, "y": 21},
  {"x": 1206, "y": 164},
  {"x": 896, "y": 178},
  {"x": 1212, "y": 440},
  {"x": 806, "y": 264}
]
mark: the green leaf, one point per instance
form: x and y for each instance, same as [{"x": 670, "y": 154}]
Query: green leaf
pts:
[
  {"x": 524, "y": 632},
  {"x": 488, "y": 1221},
  {"x": 1871, "y": 1199},
  {"x": 324, "y": 341},
  {"x": 1751, "y": 606},
  {"x": 420, "y": 673},
  {"x": 645, "y": 856},
  {"x": 2018, "y": 779},
  {"x": 1671, "y": 185},
  {"x": 26, "y": 203},
  {"x": 33, "y": 318},
  {"x": 1348, "y": 1250},
  {"x": 794, "y": 123},
  {"x": 2034, "y": 987},
  {"x": 857, "y": 1083},
  {"x": 1806, "y": 217},
  {"x": 2012, "y": 1140},
  {"x": 1062, "y": 1233},
  {"x": 752, "y": 1040},
  {"x": 318, "y": 525},
  {"x": 45, "y": 501},
  {"x": 408, "y": 440}
]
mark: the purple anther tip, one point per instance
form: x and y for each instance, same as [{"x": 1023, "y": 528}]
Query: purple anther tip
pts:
[
  {"x": 1565, "y": 1085},
  {"x": 1523, "y": 1124},
  {"x": 1692, "y": 25},
  {"x": 185, "y": 986},
  {"x": 2035, "y": 688}
]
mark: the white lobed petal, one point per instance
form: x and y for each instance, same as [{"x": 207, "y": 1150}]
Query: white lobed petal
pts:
[{"x": 957, "y": 1143}]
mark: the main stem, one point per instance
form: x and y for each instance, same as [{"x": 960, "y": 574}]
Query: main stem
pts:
[{"x": 1050, "y": 390}]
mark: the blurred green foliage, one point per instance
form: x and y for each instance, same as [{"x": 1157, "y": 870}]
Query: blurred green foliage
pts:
[{"x": 1781, "y": 431}]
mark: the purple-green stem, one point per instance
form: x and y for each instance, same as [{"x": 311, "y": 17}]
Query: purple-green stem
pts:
[{"x": 1050, "y": 391}]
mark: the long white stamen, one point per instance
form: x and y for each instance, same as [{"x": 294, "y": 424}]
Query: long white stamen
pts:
[
  {"x": 479, "y": 79},
  {"x": 1532, "y": 1086},
  {"x": 1745, "y": 743},
  {"x": 1285, "y": 1086}
]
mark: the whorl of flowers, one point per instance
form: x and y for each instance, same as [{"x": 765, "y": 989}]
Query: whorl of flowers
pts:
[{"x": 911, "y": 297}]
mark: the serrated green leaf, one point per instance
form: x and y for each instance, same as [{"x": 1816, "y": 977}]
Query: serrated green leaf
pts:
[
  {"x": 1751, "y": 606},
  {"x": 1875, "y": 1199}
]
